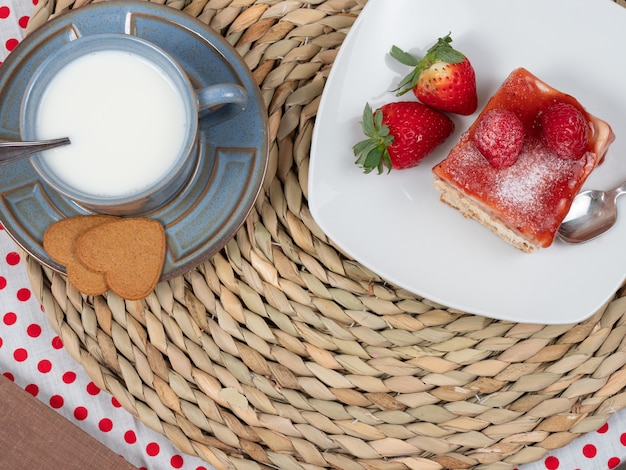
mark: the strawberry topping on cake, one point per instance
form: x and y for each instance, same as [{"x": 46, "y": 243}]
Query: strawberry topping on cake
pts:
[
  {"x": 499, "y": 136},
  {"x": 518, "y": 167}
]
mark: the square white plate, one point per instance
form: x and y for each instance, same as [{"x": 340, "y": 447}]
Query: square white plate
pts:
[{"x": 395, "y": 224}]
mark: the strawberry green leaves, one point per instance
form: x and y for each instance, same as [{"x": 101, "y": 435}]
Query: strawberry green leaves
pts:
[{"x": 373, "y": 152}]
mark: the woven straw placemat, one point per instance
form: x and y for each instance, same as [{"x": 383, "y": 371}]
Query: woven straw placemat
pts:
[{"x": 280, "y": 352}]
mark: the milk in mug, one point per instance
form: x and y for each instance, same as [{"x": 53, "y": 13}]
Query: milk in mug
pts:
[{"x": 125, "y": 118}]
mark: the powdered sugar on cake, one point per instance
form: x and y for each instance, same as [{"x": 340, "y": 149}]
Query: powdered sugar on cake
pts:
[{"x": 526, "y": 190}]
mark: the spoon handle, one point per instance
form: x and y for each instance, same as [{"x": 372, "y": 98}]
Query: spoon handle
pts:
[
  {"x": 12, "y": 151},
  {"x": 621, "y": 189}
]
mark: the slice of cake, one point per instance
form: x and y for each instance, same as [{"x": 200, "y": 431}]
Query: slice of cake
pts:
[{"x": 537, "y": 148}]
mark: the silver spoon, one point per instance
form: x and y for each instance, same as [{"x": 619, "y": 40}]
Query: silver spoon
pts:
[
  {"x": 592, "y": 213},
  {"x": 11, "y": 151}
]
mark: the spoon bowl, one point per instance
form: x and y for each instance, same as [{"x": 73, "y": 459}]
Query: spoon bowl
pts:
[{"x": 592, "y": 213}]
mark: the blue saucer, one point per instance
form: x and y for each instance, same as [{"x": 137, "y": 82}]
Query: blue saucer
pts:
[{"x": 232, "y": 153}]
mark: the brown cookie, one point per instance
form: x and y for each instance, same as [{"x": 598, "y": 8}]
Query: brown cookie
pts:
[
  {"x": 59, "y": 242},
  {"x": 129, "y": 252}
]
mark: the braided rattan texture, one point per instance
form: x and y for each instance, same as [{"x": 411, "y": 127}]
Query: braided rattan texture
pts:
[{"x": 280, "y": 352}]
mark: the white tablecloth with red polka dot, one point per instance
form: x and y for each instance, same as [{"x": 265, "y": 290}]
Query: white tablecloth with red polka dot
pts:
[{"x": 32, "y": 356}]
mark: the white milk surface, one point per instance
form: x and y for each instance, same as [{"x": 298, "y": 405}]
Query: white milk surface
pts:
[{"x": 124, "y": 117}]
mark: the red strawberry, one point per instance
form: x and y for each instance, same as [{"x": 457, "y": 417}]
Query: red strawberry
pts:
[
  {"x": 499, "y": 136},
  {"x": 400, "y": 135},
  {"x": 565, "y": 131},
  {"x": 443, "y": 78}
]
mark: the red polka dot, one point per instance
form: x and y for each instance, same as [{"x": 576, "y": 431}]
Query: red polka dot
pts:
[
  {"x": 115, "y": 403},
  {"x": 552, "y": 463},
  {"x": 13, "y": 258},
  {"x": 130, "y": 437},
  {"x": 33, "y": 389},
  {"x": 613, "y": 462},
  {"x": 33, "y": 330},
  {"x": 622, "y": 438},
  {"x": 4, "y": 12},
  {"x": 153, "y": 449},
  {"x": 80, "y": 413},
  {"x": 57, "y": 343},
  {"x": 11, "y": 44},
  {"x": 35, "y": 2},
  {"x": 44, "y": 366},
  {"x": 23, "y": 294},
  {"x": 201, "y": 468},
  {"x": 590, "y": 451},
  {"x": 9, "y": 318},
  {"x": 92, "y": 389},
  {"x": 9, "y": 376},
  {"x": 3, "y": 282},
  {"x": 69, "y": 377},
  {"x": 105, "y": 425},
  {"x": 1, "y": 342},
  {"x": 56, "y": 401},
  {"x": 603, "y": 429},
  {"x": 23, "y": 21},
  {"x": 20, "y": 354},
  {"x": 176, "y": 461}
]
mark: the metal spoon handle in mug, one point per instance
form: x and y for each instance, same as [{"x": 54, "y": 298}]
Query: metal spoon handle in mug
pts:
[{"x": 11, "y": 151}]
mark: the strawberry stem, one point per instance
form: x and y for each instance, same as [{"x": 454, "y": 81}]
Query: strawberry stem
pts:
[{"x": 373, "y": 153}]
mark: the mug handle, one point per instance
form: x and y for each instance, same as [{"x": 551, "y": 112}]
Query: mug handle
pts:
[{"x": 211, "y": 100}]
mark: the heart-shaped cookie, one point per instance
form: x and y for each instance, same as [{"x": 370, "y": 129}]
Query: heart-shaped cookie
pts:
[
  {"x": 129, "y": 252},
  {"x": 59, "y": 241}
]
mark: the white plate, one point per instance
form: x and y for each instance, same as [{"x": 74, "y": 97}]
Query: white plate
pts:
[{"x": 395, "y": 224}]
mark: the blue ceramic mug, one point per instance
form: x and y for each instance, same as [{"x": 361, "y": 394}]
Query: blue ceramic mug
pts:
[{"x": 132, "y": 116}]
